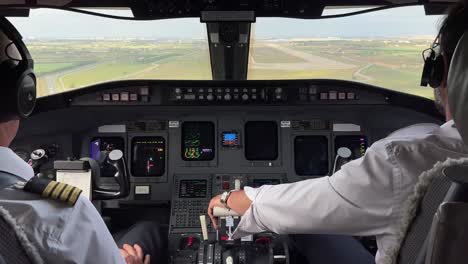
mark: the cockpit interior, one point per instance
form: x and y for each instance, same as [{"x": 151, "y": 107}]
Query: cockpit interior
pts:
[{"x": 236, "y": 109}]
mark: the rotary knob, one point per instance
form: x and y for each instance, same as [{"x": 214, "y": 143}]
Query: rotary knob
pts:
[
  {"x": 210, "y": 97},
  {"x": 38, "y": 154},
  {"x": 227, "y": 97},
  {"x": 245, "y": 97}
]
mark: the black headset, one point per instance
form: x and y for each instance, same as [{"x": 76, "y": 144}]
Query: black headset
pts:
[
  {"x": 18, "y": 81},
  {"x": 434, "y": 65}
]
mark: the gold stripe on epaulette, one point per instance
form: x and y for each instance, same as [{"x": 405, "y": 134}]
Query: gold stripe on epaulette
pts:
[
  {"x": 66, "y": 193},
  {"x": 58, "y": 190},
  {"x": 74, "y": 196},
  {"x": 49, "y": 188}
]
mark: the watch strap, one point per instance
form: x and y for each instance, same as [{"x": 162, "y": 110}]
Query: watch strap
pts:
[{"x": 224, "y": 199}]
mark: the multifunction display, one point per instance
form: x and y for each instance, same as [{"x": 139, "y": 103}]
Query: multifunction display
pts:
[
  {"x": 148, "y": 156},
  {"x": 99, "y": 149},
  {"x": 193, "y": 189},
  {"x": 198, "y": 141},
  {"x": 311, "y": 155},
  {"x": 357, "y": 145},
  {"x": 261, "y": 140}
]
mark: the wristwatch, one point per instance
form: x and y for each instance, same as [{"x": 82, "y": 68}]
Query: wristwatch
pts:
[{"x": 224, "y": 199}]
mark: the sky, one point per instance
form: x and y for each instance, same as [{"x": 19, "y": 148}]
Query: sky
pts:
[{"x": 57, "y": 24}]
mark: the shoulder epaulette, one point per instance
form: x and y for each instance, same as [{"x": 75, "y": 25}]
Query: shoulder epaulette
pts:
[{"x": 53, "y": 190}]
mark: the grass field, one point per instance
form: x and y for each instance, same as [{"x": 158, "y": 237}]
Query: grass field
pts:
[
  {"x": 45, "y": 68},
  {"x": 102, "y": 72},
  {"x": 63, "y": 65}
]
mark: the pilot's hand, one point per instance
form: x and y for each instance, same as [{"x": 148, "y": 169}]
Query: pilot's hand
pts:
[
  {"x": 134, "y": 255},
  {"x": 215, "y": 202},
  {"x": 238, "y": 202}
]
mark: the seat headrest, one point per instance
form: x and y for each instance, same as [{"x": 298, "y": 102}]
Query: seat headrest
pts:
[{"x": 458, "y": 87}]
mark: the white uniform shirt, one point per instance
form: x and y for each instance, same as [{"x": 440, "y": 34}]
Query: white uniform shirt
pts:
[
  {"x": 364, "y": 198},
  {"x": 61, "y": 233}
]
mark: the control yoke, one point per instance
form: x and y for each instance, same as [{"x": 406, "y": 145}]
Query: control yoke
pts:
[{"x": 115, "y": 159}]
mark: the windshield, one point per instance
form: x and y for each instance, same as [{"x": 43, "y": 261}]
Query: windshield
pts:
[
  {"x": 72, "y": 51},
  {"x": 383, "y": 48}
]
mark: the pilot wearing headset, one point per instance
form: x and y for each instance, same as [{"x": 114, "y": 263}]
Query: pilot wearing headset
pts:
[
  {"x": 366, "y": 197},
  {"x": 52, "y": 231}
]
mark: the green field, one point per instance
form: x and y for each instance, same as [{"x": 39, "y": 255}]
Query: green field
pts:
[
  {"x": 102, "y": 72},
  {"x": 63, "y": 65},
  {"x": 45, "y": 68}
]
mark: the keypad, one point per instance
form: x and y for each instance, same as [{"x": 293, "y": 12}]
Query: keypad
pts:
[{"x": 187, "y": 212}]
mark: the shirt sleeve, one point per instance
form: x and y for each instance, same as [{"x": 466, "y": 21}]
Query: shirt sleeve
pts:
[
  {"x": 85, "y": 238},
  {"x": 357, "y": 200}
]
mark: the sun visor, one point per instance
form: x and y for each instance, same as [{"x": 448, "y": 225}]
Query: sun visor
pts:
[{"x": 458, "y": 87}]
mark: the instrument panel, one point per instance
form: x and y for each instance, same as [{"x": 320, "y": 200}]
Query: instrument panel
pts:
[
  {"x": 185, "y": 142},
  {"x": 168, "y": 128},
  {"x": 245, "y": 145}
]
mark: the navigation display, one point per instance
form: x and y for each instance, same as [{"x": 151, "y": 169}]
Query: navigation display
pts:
[
  {"x": 148, "y": 156},
  {"x": 99, "y": 149},
  {"x": 198, "y": 141},
  {"x": 193, "y": 189},
  {"x": 261, "y": 140},
  {"x": 357, "y": 145},
  {"x": 311, "y": 155}
]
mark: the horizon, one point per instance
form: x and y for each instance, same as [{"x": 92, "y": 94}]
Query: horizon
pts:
[{"x": 291, "y": 39}]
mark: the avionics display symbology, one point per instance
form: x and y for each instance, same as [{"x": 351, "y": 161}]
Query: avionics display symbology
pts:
[
  {"x": 148, "y": 156},
  {"x": 198, "y": 141}
]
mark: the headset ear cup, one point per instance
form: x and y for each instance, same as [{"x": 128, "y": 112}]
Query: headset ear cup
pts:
[
  {"x": 26, "y": 93},
  {"x": 433, "y": 71},
  {"x": 438, "y": 71},
  {"x": 427, "y": 71},
  {"x": 19, "y": 96}
]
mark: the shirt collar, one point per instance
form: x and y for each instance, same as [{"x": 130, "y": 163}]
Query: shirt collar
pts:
[
  {"x": 449, "y": 129},
  {"x": 11, "y": 163}
]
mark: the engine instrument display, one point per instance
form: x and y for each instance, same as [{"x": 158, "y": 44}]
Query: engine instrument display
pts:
[
  {"x": 261, "y": 140},
  {"x": 311, "y": 155},
  {"x": 99, "y": 149},
  {"x": 357, "y": 145},
  {"x": 193, "y": 189},
  {"x": 148, "y": 156},
  {"x": 198, "y": 141}
]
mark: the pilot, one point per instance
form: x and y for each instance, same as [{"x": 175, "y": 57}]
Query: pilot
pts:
[
  {"x": 364, "y": 198},
  {"x": 55, "y": 232}
]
